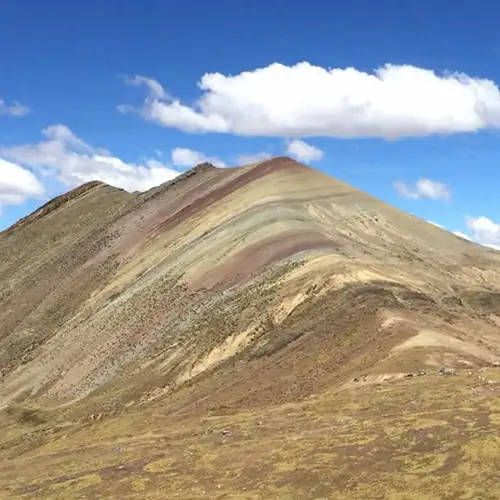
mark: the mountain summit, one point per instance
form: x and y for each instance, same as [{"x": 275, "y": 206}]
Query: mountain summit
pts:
[{"x": 237, "y": 295}]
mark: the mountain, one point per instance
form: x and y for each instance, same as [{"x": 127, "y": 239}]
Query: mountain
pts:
[{"x": 263, "y": 331}]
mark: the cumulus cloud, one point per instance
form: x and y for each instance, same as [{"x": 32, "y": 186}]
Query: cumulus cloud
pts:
[
  {"x": 306, "y": 100},
  {"x": 424, "y": 188},
  {"x": 14, "y": 109},
  {"x": 184, "y": 157},
  {"x": 72, "y": 161},
  {"x": 484, "y": 231},
  {"x": 302, "y": 151},
  {"x": 17, "y": 184}
]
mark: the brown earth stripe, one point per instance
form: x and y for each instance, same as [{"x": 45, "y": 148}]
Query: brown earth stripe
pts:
[
  {"x": 262, "y": 254},
  {"x": 212, "y": 232}
]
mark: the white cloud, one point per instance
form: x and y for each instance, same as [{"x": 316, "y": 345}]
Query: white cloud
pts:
[
  {"x": 424, "y": 188},
  {"x": 17, "y": 184},
  {"x": 484, "y": 231},
  {"x": 14, "y": 109},
  {"x": 306, "y": 100},
  {"x": 462, "y": 235},
  {"x": 302, "y": 151},
  {"x": 155, "y": 90},
  {"x": 435, "y": 224},
  {"x": 73, "y": 162},
  {"x": 184, "y": 157},
  {"x": 248, "y": 159}
]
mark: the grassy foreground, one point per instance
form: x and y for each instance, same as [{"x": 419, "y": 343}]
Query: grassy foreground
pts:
[{"x": 431, "y": 437}]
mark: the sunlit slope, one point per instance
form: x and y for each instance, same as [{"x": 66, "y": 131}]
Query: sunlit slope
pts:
[{"x": 273, "y": 279}]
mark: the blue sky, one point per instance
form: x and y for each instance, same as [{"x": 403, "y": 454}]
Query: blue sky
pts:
[{"x": 126, "y": 92}]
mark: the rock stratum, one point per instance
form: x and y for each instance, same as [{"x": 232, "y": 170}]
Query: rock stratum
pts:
[{"x": 264, "y": 331}]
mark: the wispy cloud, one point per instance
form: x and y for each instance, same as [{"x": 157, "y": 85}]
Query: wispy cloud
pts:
[
  {"x": 185, "y": 157},
  {"x": 247, "y": 159},
  {"x": 67, "y": 157},
  {"x": 14, "y": 109},
  {"x": 423, "y": 188},
  {"x": 155, "y": 90}
]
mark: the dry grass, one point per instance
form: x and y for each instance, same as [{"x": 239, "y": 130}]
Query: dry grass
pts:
[{"x": 427, "y": 437}]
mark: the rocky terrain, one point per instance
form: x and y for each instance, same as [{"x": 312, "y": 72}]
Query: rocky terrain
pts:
[{"x": 257, "y": 332}]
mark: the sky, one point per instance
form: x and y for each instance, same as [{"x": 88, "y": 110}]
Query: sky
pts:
[{"x": 399, "y": 98}]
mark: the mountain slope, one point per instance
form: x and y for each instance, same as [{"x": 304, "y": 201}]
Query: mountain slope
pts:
[{"x": 232, "y": 290}]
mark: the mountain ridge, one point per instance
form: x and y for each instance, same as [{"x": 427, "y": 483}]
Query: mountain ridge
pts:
[{"x": 231, "y": 291}]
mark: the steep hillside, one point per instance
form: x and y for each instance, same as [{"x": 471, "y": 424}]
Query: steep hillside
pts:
[{"x": 243, "y": 295}]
